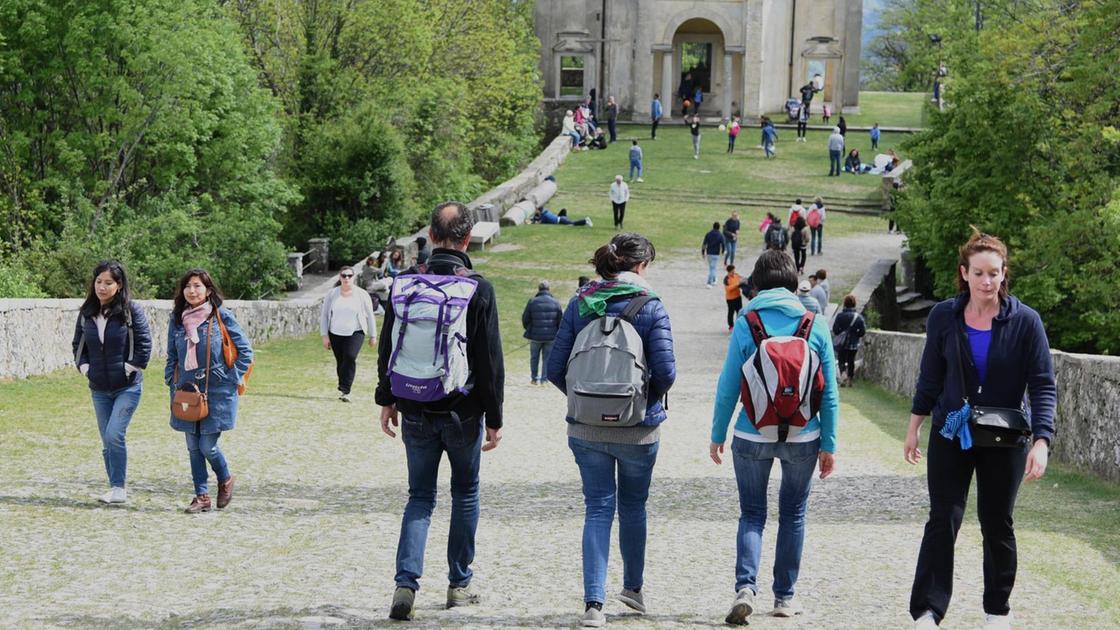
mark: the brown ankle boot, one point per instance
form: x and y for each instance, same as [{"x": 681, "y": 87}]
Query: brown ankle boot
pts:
[
  {"x": 200, "y": 503},
  {"x": 225, "y": 492}
]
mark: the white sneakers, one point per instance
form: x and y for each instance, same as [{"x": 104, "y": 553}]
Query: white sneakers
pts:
[
  {"x": 996, "y": 622},
  {"x": 114, "y": 496},
  {"x": 786, "y": 608},
  {"x": 741, "y": 609}
]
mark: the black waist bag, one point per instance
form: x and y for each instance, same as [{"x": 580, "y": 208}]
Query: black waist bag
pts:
[{"x": 999, "y": 427}]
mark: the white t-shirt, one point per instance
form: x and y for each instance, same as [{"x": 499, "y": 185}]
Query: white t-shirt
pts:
[{"x": 345, "y": 312}]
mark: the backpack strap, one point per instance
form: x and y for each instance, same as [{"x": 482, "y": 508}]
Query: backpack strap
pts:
[
  {"x": 635, "y": 306},
  {"x": 758, "y": 330},
  {"x": 82, "y": 341},
  {"x": 805, "y": 326}
]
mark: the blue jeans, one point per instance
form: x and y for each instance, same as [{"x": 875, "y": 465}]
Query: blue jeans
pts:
[
  {"x": 114, "y": 411},
  {"x": 753, "y": 461},
  {"x": 204, "y": 448},
  {"x": 538, "y": 352},
  {"x": 713, "y": 261},
  {"x": 834, "y": 163},
  {"x": 574, "y": 135},
  {"x": 816, "y": 240},
  {"x": 426, "y": 439},
  {"x": 728, "y": 251},
  {"x": 602, "y": 489},
  {"x": 635, "y": 165}
]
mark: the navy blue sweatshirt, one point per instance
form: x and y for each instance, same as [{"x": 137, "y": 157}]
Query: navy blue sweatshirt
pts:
[{"x": 1018, "y": 358}]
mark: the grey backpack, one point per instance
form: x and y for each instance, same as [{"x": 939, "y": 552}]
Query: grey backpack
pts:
[{"x": 607, "y": 377}]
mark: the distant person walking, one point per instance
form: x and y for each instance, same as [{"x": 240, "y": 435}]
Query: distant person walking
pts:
[
  {"x": 799, "y": 242},
  {"x": 112, "y": 344},
  {"x": 655, "y": 113},
  {"x": 730, "y": 238},
  {"x": 826, "y": 112},
  {"x": 711, "y": 248},
  {"x": 815, "y": 219},
  {"x": 835, "y": 151},
  {"x": 732, "y": 132},
  {"x": 541, "y": 320},
  {"x": 874, "y": 133},
  {"x": 615, "y": 448},
  {"x": 843, "y": 127},
  {"x": 345, "y": 321},
  {"x": 612, "y": 118},
  {"x": 847, "y": 330},
  {"x": 635, "y": 160},
  {"x": 769, "y": 138},
  {"x": 733, "y": 293},
  {"x": 620, "y": 194},
  {"x": 808, "y": 301},
  {"x": 775, "y": 236},
  {"x": 694, "y": 129},
  {"x": 802, "y": 122},
  {"x": 196, "y": 363},
  {"x": 818, "y": 290}
]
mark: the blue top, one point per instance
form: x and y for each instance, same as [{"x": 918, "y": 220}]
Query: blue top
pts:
[
  {"x": 769, "y": 134},
  {"x": 979, "y": 341},
  {"x": 635, "y": 153},
  {"x": 781, "y": 312},
  {"x": 874, "y": 133},
  {"x": 548, "y": 216},
  {"x": 655, "y": 109}
]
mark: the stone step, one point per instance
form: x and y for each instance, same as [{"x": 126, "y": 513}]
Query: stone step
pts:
[
  {"x": 917, "y": 308},
  {"x": 906, "y": 296}
]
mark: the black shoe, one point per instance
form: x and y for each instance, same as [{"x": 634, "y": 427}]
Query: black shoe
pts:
[{"x": 403, "y": 600}]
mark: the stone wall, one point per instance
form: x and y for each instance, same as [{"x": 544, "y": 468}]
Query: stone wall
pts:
[
  {"x": 36, "y": 335},
  {"x": 1088, "y": 397}
]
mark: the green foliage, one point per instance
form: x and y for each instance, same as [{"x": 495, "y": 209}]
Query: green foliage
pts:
[
  {"x": 1027, "y": 150},
  {"x": 16, "y": 281}
]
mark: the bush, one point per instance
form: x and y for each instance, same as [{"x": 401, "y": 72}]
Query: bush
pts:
[{"x": 16, "y": 281}]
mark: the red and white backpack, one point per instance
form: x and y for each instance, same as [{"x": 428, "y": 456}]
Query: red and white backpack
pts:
[{"x": 782, "y": 382}]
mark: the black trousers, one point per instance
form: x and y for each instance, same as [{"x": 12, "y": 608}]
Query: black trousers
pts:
[
  {"x": 801, "y": 127},
  {"x": 613, "y": 129},
  {"x": 733, "y": 308},
  {"x": 847, "y": 360},
  {"x": 999, "y": 472},
  {"x": 346, "y": 351},
  {"x": 619, "y": 213},
  {"x": 653, "y": 128},
  {"x": 799, "y": 258}
]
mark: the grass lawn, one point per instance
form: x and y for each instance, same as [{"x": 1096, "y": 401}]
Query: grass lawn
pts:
[{"x": 889, "y": 109}]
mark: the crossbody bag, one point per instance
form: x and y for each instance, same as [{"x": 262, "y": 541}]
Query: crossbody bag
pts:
[
  {"x": 189, "y": 403},
  {"x": 992, "y": 427}
]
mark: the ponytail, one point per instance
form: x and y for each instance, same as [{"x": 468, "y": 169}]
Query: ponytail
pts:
[{"x": 624, "y": 252}]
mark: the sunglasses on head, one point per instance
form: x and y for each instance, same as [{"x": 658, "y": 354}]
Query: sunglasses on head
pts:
[{"x": 346, "y": 275}]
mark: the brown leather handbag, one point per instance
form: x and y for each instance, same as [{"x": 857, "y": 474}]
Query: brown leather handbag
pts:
[{"x": 189, "y": 405}]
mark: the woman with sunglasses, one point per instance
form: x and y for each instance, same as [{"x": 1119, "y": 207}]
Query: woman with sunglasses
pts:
[{"x": 346, "y": 321}]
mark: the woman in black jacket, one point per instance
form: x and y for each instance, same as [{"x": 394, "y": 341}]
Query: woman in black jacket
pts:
[
  {"x": 848, "y": 329},
  {"x": 112, "y": 344},
  {"x": 983, "y": 347}
]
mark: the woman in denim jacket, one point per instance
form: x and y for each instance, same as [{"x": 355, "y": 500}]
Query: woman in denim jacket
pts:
[
  {"x": 197, "y": 305},
  {"x": 617, "y": 461},
  {"x": 112, "y": 344}
]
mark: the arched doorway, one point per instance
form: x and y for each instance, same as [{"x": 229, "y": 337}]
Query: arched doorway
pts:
[{"x": 698, "y": 60}]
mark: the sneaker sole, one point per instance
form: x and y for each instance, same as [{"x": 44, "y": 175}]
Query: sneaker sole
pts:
[
  {"x": 632, "y": 604},
  {"x": 739, "y": 614},
  {"x": 593, "y": 623},
  {"x": 457, "y": 603},
  {"x": 401, "y": 612}
]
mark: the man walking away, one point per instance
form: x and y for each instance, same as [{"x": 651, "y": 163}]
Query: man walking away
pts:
[
  {"x": 620, "y": 194},
  {"x": 815, "y": 218},
  {"x": 874, "y": 136},
  {"x": 451, "y": 424},
  {"x": 769, "y": 137},
  {"x": 655, "y": 113},
  {"x": 712, "y": 248},
  {"x": 612, "y": 118},
  {"x": 835, "y": 150},
  {"x": 635, "y": 160},
  {"x": 776, "y": 237},
  {"x": 541, "y": 320},
  {"x": 730, "y": 238},
  {"x": 694, "y": 127},
  {"x": 817, "y": 290}
]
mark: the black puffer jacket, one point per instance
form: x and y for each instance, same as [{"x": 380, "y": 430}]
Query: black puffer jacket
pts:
[
  {"x": 106, "y": 360},
  {"x": 541, "y": 317}
]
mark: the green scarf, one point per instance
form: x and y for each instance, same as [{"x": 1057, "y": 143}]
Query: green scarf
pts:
[{"x": 593, "y": 300}]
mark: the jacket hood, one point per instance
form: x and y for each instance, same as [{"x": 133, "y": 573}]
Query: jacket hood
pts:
[
  {"x": 778, "y": 299},
  {"x": 1008, "y": 306},
  {"x": 835, "y": 130}
]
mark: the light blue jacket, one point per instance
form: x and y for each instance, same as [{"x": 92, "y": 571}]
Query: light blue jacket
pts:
[
  {"x": 222, "y": 396},
  {"x": 655, "y": 109},
  {"x": 780, "y": 311}
]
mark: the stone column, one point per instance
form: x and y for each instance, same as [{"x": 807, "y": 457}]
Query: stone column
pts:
[
  {"x": 667, "y": 87},
  {"x": 726, "y": 85}
]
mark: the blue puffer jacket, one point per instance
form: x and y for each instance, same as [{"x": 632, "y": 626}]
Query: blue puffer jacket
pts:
[
  {"x": 107, "y": 359},
  {"x": 541, "y": 317},
  {"x": 652, "y": 324},
  {"x": 222, "y": 397}
]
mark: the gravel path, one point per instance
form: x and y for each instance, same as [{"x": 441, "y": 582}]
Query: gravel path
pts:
[{"x": 310, "y": 541}]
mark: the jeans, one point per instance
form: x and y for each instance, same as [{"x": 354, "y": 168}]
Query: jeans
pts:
[
  {"x": 635, "y": 165},
  {"x": 114, "y": 412},
  {"x": 729, "y": 251},
  {"x": 696, "y": 145},
  {"x": 539, "y": 351},
  {"x": 753, "y": 461},
  {"x": 426, "y": 439},
  {"x": 730, "y": 144},
  {"x": 768, "y": 149},
  {"x": 713, "y": 261},
  {"x": 204, "y": 448},
  {"x": 834, "y": 163},
  {"x": 874, "y": 144},
  {"x": 613, "y": 473},
  {"x": 567, "y": 221},
  {"x": 999, "y": 472},
  {"x": 575, "y": 138},
  {"x": 816, "y": 239},
  {"x": 346, "y": 351}
]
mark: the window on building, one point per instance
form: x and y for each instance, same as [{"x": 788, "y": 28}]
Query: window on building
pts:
[
  {"x": 571, "y": 75},
  {"x": 696, "y": 59}
]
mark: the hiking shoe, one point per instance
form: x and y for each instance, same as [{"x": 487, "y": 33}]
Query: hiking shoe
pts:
[
  {"x": 403, "y": 599},
  {"x": 115, "y": 496},
  {"x": 461, "y": 596},
  {"x": 593, "y": 616},
  {"x": 786, "y": 608},
  {"x": 201, "y": 503},
  {"x": 742, "y": 608},
  {"x": 225, "y": 492},
  {"x": 996, "y": 622},
  {"x": 633, "y": 600},
  {"x": 926, "y": 622}
]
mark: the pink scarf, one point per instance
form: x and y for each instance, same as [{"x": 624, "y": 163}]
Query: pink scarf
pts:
[{"x": 192, "y": 318}]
